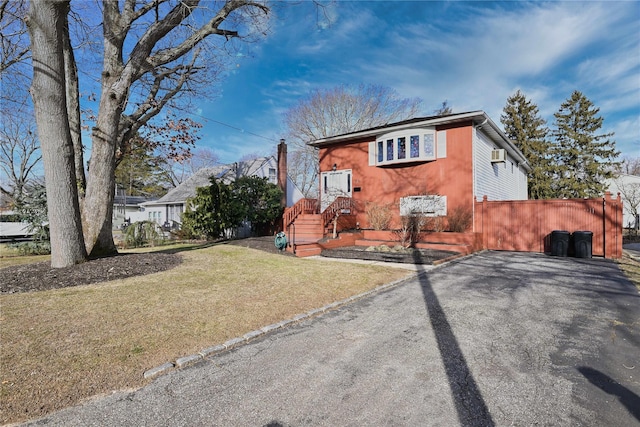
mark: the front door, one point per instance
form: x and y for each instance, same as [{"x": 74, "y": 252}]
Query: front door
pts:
[{"x": 334, "y": 184}]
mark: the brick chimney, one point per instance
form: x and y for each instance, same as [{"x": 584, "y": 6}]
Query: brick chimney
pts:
[{"x": 282, "y": 171}]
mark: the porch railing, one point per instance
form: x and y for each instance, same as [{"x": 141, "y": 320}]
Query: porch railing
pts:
[
  {"x": 303, "y": 206},
  {"x": 340, "y": 204}
]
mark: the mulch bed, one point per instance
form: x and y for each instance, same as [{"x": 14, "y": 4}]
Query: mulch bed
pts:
[
  {"x": 40, "y": 276},
  {"x": 408, "y": 256}
]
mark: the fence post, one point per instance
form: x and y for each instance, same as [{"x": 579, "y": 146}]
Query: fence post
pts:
[
  {"x": 485, "y": 233},
  {"x": 604, "y": 225}
]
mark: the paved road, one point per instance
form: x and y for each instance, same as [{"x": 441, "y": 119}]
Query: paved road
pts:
[{"x": 495, "y": 339}]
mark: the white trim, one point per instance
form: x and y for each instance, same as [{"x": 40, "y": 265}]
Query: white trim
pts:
[{"x": 406, "y": 146}]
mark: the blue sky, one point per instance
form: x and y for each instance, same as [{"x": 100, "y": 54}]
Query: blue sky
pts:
[{"x": 472, "y": 54}]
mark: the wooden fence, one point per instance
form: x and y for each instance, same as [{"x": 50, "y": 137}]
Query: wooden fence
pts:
[{"x": 526, "y": 225}]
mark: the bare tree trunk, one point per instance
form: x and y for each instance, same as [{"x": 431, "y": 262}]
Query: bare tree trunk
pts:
[
  {"x": 73, "y": 110},
  {"x": 98, "y": 203},
  {"x": 46, "y": 21}
]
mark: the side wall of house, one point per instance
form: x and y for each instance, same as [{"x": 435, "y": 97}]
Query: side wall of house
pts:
[
  {"x": 450, "y": 176},
  {"x": 498, "y": 181}
]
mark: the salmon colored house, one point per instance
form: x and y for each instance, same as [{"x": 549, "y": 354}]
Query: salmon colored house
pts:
[{"x": 432, "y": 165}]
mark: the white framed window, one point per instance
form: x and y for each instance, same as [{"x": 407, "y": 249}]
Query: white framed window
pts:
[{"x": 413, "y": 145}]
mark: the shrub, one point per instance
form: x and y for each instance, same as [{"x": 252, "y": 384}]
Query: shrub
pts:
[
  {"x": 410, "y": 230},
  {"x": 379, "y": 215},
  {"x": 142, "y": 233},
  {"x": 36, "y": 247},
  {"x": 460, "y": 219},
  {"x": 32, "y": 209},
  {"x": 434, "y": 224},
  {"x": 218, "y": 209}
]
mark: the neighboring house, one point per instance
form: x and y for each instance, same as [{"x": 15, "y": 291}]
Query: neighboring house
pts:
[
  {"x": 433, "y": 165},
  {"x": 11, "y": 231},
  {"x": 5, "y": 205},
  {"x": 126, "y": 209},
  {"x": 169, "y": 208},
  {"x": 629, "y": 188}
]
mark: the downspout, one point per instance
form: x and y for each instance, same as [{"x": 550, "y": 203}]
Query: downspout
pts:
[
  {"x": 473, "y": 177},
  {"x": 282, "y": 171}
]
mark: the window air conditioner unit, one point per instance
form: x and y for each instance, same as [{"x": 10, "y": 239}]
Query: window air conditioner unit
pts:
[{"x": 498, "y": 156}]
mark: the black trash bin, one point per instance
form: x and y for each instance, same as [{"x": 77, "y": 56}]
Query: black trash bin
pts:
[
  {"x": 582, "y": 242},
  {"x": 559, "y": 243}
]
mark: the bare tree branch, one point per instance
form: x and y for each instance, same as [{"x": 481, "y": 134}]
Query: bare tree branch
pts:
[
  {"x": 336, "y": 111},
  {"x": 14, "y": 41},
  {"x": 19, "y": 155}
]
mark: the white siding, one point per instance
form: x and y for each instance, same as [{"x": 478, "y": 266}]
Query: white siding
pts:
[{"x": 498, "y": 181}]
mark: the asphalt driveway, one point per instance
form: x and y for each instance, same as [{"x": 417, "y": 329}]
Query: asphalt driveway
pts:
[{"x": 495, "y": 339}]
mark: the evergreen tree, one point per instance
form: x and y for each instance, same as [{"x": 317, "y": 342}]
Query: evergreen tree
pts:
[
  {"x": 139, "y": 172},
  {"x": 584, "y": 159},
  {"x": 261, "y": 200},
  {"x": 219, "y": 208},
  {"x": 523, "y": 124},
  {"x": 214, "y": 211},
  {"x": 444, "y": 110}
]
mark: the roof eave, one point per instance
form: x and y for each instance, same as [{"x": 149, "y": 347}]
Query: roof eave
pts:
[
  {"x": 479, "y": 118},
  {"x": 429, "y": 121}
]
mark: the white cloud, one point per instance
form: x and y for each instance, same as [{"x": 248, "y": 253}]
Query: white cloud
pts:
[
  {"x": 474, "y": 55},
  {"x": 547, "y": 50}
]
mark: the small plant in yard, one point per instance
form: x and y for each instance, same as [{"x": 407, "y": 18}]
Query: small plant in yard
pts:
[
  {"x": 32, "y": 248},
  {"x": 379, "y": 215},
  {"x": 460, "y": 219},
  {"x": 411, "y": 229},
  {"x": 435, "y": 224},
  {"x": 142, "y": 233}
]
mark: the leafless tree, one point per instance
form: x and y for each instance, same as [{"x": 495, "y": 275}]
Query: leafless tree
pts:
[
  {"x": 46, "y": 21},
  {"x": 630, "y": 165},
  {"x": 19, "y": 156},
  {"x": 336, "y": 111},
  {"x": 630, "y": 192},
  {"x": 14, "y": 50},
  {"x": 176, "y": 170},
  {"x": 172, "y": 49},
  {"x": 444, "y": 109}
]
